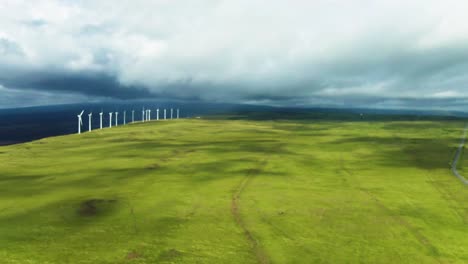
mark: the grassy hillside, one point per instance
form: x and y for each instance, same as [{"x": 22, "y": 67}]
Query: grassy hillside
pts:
[{"x": 237, "y": 191}]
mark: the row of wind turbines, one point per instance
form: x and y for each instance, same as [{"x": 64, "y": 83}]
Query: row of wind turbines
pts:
[{"x": 145, "y": 116}]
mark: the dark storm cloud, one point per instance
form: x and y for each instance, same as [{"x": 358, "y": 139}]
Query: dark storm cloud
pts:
[
  {"x": 86, "y": 84},
  {"x": 388, "y": 53}
]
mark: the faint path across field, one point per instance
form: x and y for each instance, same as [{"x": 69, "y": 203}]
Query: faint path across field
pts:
[
  {"x": 260, "y": 254},
  {"x": 457, "y": 157}
]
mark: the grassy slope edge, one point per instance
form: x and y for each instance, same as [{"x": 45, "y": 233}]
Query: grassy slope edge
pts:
[{"x": 303, "y": 191}]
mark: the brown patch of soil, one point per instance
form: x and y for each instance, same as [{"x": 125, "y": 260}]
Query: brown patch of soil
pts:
[
  {"x": 170, "y": 254},
  {"x": 154, "y": 166},
  {"x": 133, "y": 255},
  {"x": 91, "y": 207}
]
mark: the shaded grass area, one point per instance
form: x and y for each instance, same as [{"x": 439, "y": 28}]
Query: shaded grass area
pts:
[
  {"x": 355, "y": 115},
  {"x": 236, "y": 191}
]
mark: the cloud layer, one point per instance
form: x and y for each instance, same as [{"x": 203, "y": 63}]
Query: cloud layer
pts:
[{"x": 388, "y": 53}]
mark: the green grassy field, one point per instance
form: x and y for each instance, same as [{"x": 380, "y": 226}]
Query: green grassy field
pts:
[{"x": 237, "y": 191}]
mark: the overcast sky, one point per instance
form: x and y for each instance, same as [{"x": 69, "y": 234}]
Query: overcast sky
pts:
[{"x": 361, "y": 53}]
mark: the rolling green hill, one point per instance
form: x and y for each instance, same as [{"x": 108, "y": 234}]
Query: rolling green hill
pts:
[{"x": 237, "y": 191}]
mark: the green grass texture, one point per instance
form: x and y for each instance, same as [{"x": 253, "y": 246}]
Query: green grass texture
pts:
[{"x": 237, "y": 191}]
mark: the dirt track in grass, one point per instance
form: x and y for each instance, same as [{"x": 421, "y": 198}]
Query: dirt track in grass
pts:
[{"x": 260, "y": 254}]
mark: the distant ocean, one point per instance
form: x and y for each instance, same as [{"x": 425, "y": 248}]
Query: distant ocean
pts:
[{"x": 31, "y": 123}]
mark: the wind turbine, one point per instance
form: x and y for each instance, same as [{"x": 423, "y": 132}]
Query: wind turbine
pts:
[
  {"x": 164, "y": 113},
  {"x": 133, "y": 116},
  {"x": 100, "y": 120},
  {"x": 110, "y": 119},
  {"x": 143, "y": 115},
  {"x": 177, "y": 113},
  {"x": 125, "y": 116},
  {"x": 80, "y": 122},
  {"x": 149, "y": 115},
  {"x": 90, "y": 115},
  {"x": 116, "y": 118},
  {"x": 157, "y": 114},
  {"x": 171, "y": 113}
]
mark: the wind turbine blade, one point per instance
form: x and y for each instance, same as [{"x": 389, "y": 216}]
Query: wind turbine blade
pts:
[{"x": 81, "y": 112}]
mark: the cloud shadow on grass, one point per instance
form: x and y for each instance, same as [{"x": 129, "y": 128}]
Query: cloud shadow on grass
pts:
[{"x": 423, "y": 153}]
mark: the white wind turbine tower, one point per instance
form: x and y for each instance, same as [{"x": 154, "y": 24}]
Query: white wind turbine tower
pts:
[
  {"x": 149, "y": 115},
  {"x": 164, "y": 113},
  {"x": 116, "y": 118},
  {"x": 100, "y": 120},
  {"x": 125, "y": 116},
  {"x": 143, "y": 115},
  {"x": 90, "y": 116},
  {"x": 110, "y": 119},
  {"x": 171, "y": 113},
  {"x": 157, "y": 114},
  {"x": 80, "y": 122},
  {"x": 133, "y": 116},
  {"x": 177, "y": 113}
]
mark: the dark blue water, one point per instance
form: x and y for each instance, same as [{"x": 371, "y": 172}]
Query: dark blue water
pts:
[{"x": 27, "y": 124}]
